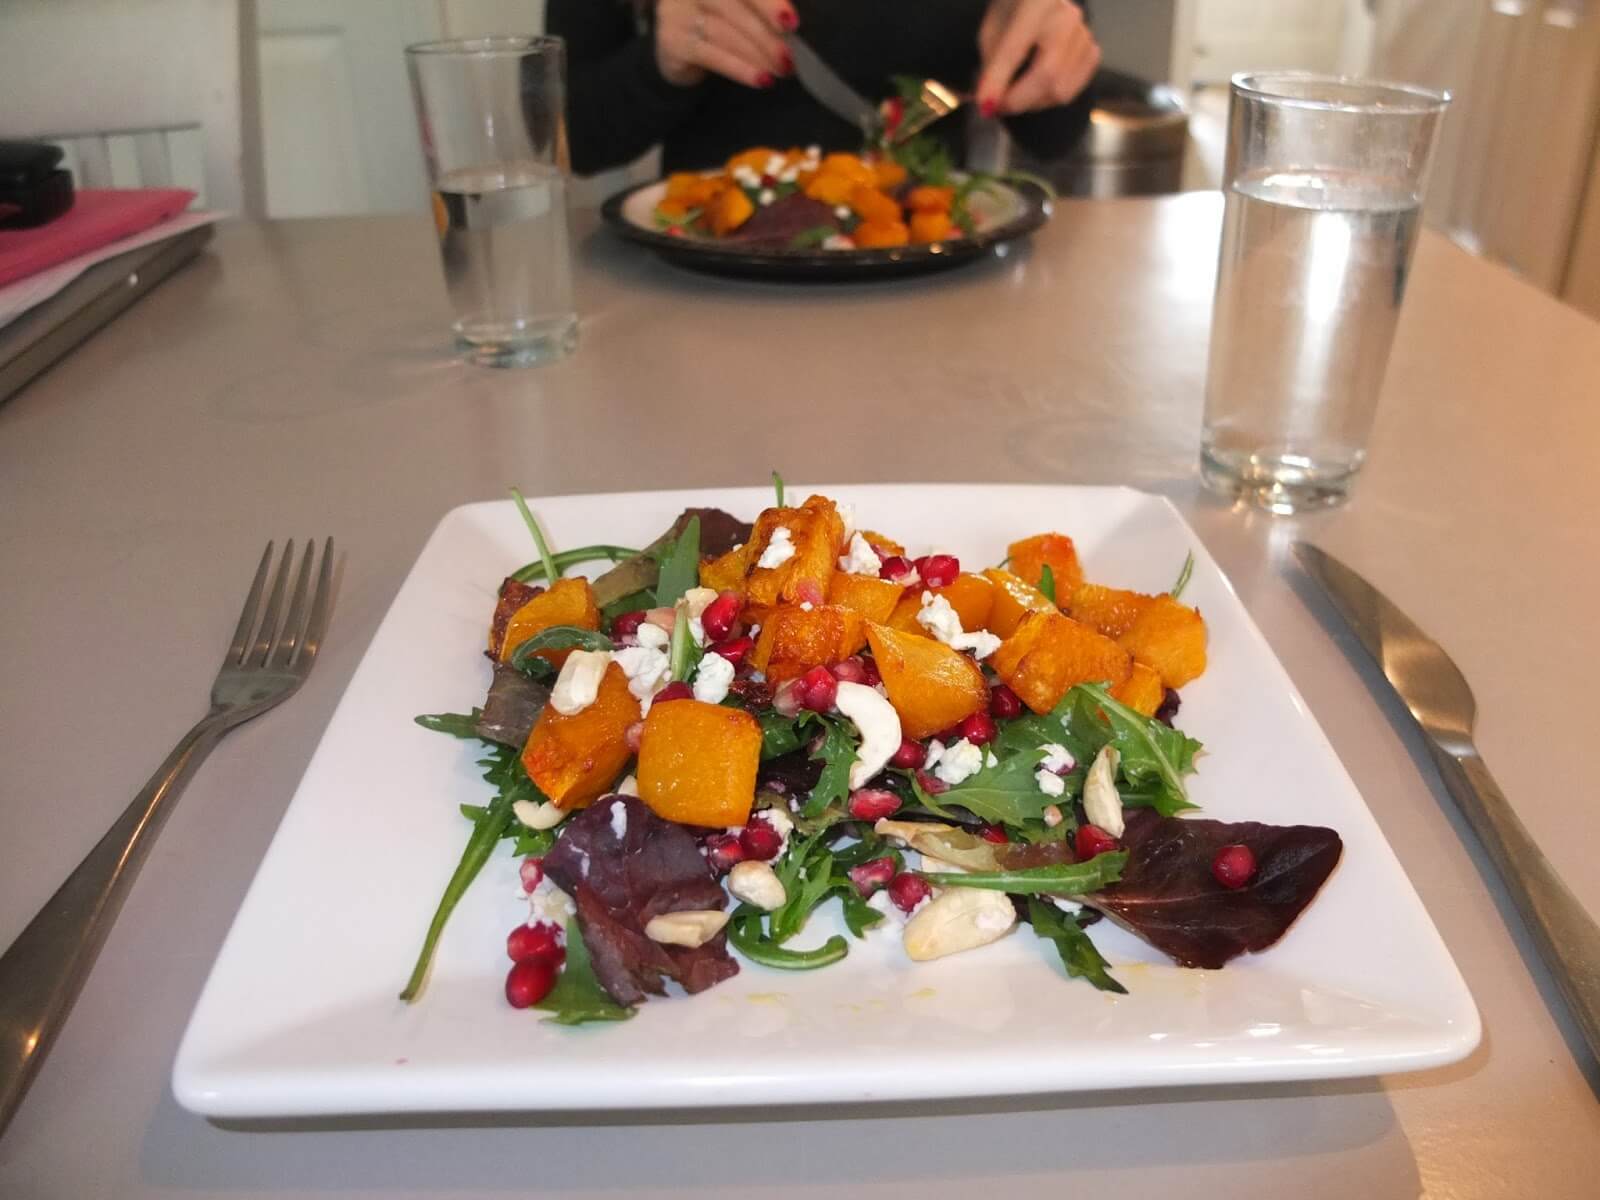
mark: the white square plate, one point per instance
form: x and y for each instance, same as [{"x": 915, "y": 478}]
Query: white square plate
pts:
[{"x": 300, "y": 1014}]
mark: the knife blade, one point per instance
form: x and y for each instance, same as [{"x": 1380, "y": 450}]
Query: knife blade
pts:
[
  {"x": 1439, "y": 699},
  {"x": 827, "y": 88}
]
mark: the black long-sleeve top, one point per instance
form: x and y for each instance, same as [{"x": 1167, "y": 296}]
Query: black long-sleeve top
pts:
[{"x": 619, "y": 105}]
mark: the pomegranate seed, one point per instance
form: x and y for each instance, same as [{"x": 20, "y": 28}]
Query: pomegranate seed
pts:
[
  {"x": 978, "y": 729},
  {"x": 910, "y": 754},
  {"x": 662, "y": 618},
  {"x": 995, "y": 834},
  {"x": 850, "y": 670},
  {"x": 931, "y": 783},
  {"x": 760, "y": 841},
  {"x": 787, "y": 699},
  {"x": 938, "y": 570},
  {"x": 531, "y": 872},
  {"x": 627, "y": 625},
  {"x": 874, "y": 676},
  {"x": 1092, "y": 840},
  {"x": 676, "y": 690},
  {"x": 769, "y": 181},
  {"x": 897, "y": 569},
  {"x": 530, "y": 982},
  {"x": 735, "y": 649},
  {"x": 676, "y": 231},
  {"x": 721, "y": 617},
  {"x": 818, "y": 688},
  {"x": 872, "y": 875},
  {"x": 1004, "y": 703},
  {"x": 869, "y": 804},
  {"x": 724, "y": 852},
  {"x": 908, "y": 890},
  {"x": 1234, "y": 866},
  {"x": 541, "y": 941},
  {"x": 634, "y": 736}
]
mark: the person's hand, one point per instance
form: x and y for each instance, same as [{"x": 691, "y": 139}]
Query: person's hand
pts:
[
  {"x": 1065, "y": 55},
  {"x": 735, "y": 38}
]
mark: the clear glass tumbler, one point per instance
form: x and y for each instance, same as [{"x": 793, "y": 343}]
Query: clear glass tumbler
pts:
[
  {"x": 491, "y": 114},
  {"x": 1324, "y": 183}
]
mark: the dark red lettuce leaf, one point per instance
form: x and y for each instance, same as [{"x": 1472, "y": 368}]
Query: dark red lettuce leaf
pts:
[
  {"x": 620, "y": 883},
  {"x": 776, "y": 225},
  {"x": 719, "y": 531},
  {"x": 1168, "y": 897},
  {"x": 512, "y": 707}
]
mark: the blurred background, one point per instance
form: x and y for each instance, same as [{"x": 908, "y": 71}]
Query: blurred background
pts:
[{"x": 291, "y": 108}]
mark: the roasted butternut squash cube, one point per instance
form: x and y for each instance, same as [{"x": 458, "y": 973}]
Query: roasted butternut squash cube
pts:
[
  {"x": 671, "y": 209},
  {"x": 868, "y": 595},
  {"x": 830, "y": 187},
  {"x": 697, "y": 763},
  {"x": 932, "y": 227},
  {"x": 1141, "y": 691},
  {"x": 755, "y": 158},
  {"x": 1013, "y": 599},
  {"x": 816, "y": 533},
  {"x": 793, "y": 639},
  {"x": 1170, "y": 638},
  {"x": 1049, "y": 653},
  {"x": 726, "y": 573},
  {"x": 878, "y": 234},
  {"x": 868, "y": 203},
  {"x": 931, "y": 686},
  {"x": 730, "y": 210},
  {"x": 564, "y": 602},
  {"x": 1108, "y": 610},
  {"x": 883, "y": 546},
  {"x": 851, "y": 166},
  {"x": 888, "y": 174},
  {"x": 931, "y": 199},
  {"x": 972, "y": 596},
  {"x": 1029, "y": 557},
  {"x": 575, "y": 759}
]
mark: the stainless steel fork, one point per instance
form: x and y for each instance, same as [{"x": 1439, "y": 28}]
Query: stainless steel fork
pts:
[{"x": 41, "y": 973}]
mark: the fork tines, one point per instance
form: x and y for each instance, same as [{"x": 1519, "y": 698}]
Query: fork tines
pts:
[{"x": 293, "y": 641}]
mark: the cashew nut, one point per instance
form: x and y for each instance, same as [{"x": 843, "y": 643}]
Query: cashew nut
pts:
[
  {"x": 1101, "y": 804},
  {"x": 957, "y": 919},
  {"x": 757, "y": 883},
  {"x": 878, "y": 723},
  {"x": 691, "y": 927},
  {"x": 538, "y": 814}
]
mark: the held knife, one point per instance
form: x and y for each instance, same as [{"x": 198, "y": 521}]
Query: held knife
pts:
[
  {"x": 827, "y": 88},
  {"x": 1434, "y": 690}
]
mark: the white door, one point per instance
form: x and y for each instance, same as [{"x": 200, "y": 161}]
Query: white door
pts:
[{"x": 337, "y": 130}]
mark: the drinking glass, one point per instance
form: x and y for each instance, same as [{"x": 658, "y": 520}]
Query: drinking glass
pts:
[
  {"x": 491, "y": 115},
  {"x": 1324, "y": 183}
]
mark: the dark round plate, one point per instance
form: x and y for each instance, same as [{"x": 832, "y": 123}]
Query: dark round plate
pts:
[{"x": 1003, "y": 212}]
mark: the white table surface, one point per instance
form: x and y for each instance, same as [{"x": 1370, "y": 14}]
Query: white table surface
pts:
[{"x": 297, "y": 381}]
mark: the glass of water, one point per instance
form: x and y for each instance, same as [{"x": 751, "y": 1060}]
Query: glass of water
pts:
[
  {"x": 1324, "y": 183},
  {"x": 494, "y": 135}
]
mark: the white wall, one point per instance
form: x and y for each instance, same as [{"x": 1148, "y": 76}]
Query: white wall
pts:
[{"x": 81, "y": 66}]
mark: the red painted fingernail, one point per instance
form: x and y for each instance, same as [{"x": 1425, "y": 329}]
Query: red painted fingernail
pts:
[
  {"x": 787, "y": 19},
  {"x": 786, "y": 67},
  {"x": 989, "y": 107},
  {"x": 764, "y": 80}
]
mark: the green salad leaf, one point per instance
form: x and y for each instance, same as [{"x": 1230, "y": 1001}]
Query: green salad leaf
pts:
[
  {"x": 504, "y": 772},
  {"x": 551, "y": 570},
  {"x": 1079, "y": 955},
  {"x": 1184, "y": 574},
  {"x": 1066, "y": 879},
  {"x": 809, "y": 239},
  {"x": 577, "y": 996},
  {"x": 534, "y": 571},
  {"x": 777, "y": 486},
  {"x": 744, "y": 933},
  {"x": 779, "y": 734},
  {"x": 680, "y": 565},
  {"x": 460, "y": 725},
  {"x": 558, "y": 637},
  {"x": 1047, "y": 583},
  {"x": 683, "y": 655},
  {"x": 1004, "y": 794},
  {"x": 837, "y": 753},
  {"x": 1155, "y": 757}
]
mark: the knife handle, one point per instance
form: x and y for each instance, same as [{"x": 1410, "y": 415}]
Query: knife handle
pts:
[{"x": 1567, "y": 937}]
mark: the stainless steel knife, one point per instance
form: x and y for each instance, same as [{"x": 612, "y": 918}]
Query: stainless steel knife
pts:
[
  {"x": 827, "y": 88},
  {"x": 1436, "y": 692}
]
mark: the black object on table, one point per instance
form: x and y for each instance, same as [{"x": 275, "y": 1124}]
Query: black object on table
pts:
[{"x": 34, "y": 188}]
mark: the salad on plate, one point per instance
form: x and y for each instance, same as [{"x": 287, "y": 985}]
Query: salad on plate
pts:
[{"x": 740, "y": 724}]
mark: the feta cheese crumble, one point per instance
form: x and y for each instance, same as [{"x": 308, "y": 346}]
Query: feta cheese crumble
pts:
[
  {"x": 944, "y": 623},
  {"x": 861, "y": 558},
  {"x": 959, "y": 763},
  {"x": 648, "y": 671},
  {"x": 779, "y": 550},
  {"x": 766, "y": 196},
  {"x": 653, "y": 636},
  {"x": 712, "y": 678},
  {"x": 1049, "y": 782},
  {"x": 1058, "y": 759},
  {"x": 619, "y": 819},
  {"x": 579, "y": 682},
  {"x": 838, "y": 241}
]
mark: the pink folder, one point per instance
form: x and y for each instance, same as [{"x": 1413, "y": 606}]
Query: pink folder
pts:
[{"x": 97, "y": 217}]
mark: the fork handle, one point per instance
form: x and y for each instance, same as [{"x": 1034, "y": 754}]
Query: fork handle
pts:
[
  {"x": 42, "y": 971},
  {"x": 1567, "y": 937}
]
